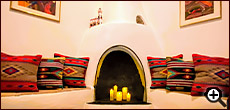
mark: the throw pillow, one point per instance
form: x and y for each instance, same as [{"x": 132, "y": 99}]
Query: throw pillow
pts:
[
  {"x": 180, "y": 74},
  {"x": 210, "y": 72},
  {"x": 50, "y": 73},
  {"x": 19, "y": 73},
  {"x": 158, "y": 70},
  {"x": 74, "y": 71}
]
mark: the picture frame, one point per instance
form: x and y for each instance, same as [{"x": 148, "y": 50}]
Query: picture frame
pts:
[
  {"x": 192, "y": 12},
  {"x": 46, "y": 9}
]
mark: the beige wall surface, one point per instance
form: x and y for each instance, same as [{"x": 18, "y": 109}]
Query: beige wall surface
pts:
[
  {"x": 208, "y": 38},
  {"x": 26, "y": 34}
]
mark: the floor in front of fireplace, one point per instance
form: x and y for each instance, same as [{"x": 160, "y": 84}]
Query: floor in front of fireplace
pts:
[
  {"x": 79, "y": 99},
  {"x": 112, "y": 106}
]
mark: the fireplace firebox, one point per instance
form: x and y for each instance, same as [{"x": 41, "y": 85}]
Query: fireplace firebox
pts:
[{"x": 120, "y": 66}]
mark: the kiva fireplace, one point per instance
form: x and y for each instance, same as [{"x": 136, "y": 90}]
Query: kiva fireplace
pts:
[
  {"x": 120, "y": 69},
  {"x": 118, "y": 57}
]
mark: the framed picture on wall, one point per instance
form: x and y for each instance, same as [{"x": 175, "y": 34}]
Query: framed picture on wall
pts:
[
  {"x": 192, "y": 12},
  {"x": 45, "y": 9}
]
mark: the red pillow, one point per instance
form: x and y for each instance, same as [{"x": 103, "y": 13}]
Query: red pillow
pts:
[
  {"x": 158, "y": 70},
  {"x": 210, "y": 72},
  {"x": 74, "y": 71},
  {"x": 19, "y": 73}
]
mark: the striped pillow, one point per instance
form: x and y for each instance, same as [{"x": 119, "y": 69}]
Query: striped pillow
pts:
[
  {"x": 180, "y": 74},
  {"x": 74, "y": 71},
  {"x": 210, "y": 72},
  {"x": 158, "y": 70},
  {"x": 50, "y": 73}
]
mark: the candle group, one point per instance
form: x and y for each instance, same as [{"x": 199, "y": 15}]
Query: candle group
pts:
[{"x": 119, "y": 95}]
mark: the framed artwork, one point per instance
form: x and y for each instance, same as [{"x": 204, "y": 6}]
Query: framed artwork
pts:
[
  {"x": 45, "y": 9},
  {"x": 192, "y": 12}
]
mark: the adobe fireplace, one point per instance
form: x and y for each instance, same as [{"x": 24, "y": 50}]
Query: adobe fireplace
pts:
[
  {"x": 119, "y": 46},
  {"x": 120, "y": 66}
]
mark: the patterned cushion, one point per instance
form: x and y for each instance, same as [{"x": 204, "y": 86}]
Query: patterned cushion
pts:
[
  {"x": 19, "y": 73},
  {"x": 74, "y": 71},
  {"x": 181, "y": 74},
  {"x": 210, "y": 72},
  {"x": 50, "y": 73},
  {"x": 158, "y": 70}
]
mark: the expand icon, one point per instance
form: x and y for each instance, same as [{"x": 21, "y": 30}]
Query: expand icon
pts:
[{"x": 214, "y": 94}]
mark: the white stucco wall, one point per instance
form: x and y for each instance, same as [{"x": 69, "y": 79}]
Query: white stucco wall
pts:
[
  {"x": 25, "y": 34},
  {"x": 208, "y": 38}
]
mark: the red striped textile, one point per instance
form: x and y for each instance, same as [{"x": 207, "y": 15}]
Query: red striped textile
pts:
[
  {"x": 179, "y": 84},
  {"x": 26, "y": 58},
  {"x": 158, "y": 70},
  {"x": 19, "y": 73},
  {"x": 180, "y": 64},
  {"x": 44, "y": 82},
  {"x": 51, "y": 59},
  {"x": 180, "y": 74},
  {"x": 199, "y": 89},
  {"x": 210, "y": 72},
  {"x": 50, "y": 73},
  {"x": 51, "y": 64},
  {"x": 77, "y": 61},
  {"x": 60, "y": 55},
  {"x": 202, "y": 59},
  {"x": 179, "y": 81},
  {"x": 18, "y": 86},
  {"x": 153, "y": 61},
  {"x": 74, "y": 82},
  {"x": 156, "y": 84},
  {"x": 187, "y": 83},
  {"x": 74, "y": 69}
]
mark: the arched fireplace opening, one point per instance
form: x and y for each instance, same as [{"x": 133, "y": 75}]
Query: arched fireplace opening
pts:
[{"x": 120, "y": 66}]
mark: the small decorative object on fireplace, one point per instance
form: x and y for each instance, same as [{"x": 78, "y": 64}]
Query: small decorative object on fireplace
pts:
[
  {"x": 96, "y": 21},
  {"x": 93, "y": 22},
  {"x": 99, "y": 16}
]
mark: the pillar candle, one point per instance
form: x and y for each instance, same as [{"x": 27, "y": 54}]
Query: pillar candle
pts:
[
  {"x": 115, "y": 91},
  {"x": 119, "y": 96},
  {"x": 124, "y": 93},
  {"x": 111, "y": 94},
  {"x": 128, "y": 97}
]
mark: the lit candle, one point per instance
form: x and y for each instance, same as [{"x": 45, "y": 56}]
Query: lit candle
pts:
[
  {"x": 115, "y": 91},
  {"x": 128, "y": 97},
  {"x": 124, "y": 92},
  {"x": 111, "y": 94},
  {"x": 119, "y": 96}
]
